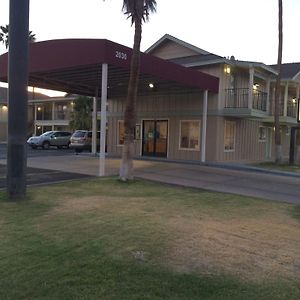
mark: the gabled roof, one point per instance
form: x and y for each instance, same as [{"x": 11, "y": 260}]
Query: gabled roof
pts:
[
  {"x": 289, "y": 71},
  {"x": 254, "y": 64},
  {"x": 168, "y": 37}
]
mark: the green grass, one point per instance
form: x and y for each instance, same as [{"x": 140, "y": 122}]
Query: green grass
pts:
[{"x": 104, "y": 239}]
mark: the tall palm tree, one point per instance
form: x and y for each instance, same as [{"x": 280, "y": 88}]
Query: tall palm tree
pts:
[
  {"x": 278, "y": 146},
  {"x": 4, "y": 35},
  {"x": 138, "y": 11}
]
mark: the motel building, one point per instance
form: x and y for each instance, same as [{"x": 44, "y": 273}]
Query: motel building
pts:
[{"x": 192, "y": 105}]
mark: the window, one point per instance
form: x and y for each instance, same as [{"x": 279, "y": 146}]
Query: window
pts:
[
  {"x": 229, "y": 136},
  {"x": 121, "y": 133},
  {"x": 262, "y": 134},
  {"x": 189, "y": 135}
]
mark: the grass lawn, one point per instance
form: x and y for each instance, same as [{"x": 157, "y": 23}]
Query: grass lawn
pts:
[{"x": 104, "y": 239}]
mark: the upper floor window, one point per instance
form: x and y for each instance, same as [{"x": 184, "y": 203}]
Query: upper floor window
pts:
[
  {"x": 189, "y": 138},
  {"x": 229, "y": 135}
]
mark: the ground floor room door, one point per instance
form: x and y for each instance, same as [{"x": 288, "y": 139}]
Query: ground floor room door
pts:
[{"x": 155, "y": 138}]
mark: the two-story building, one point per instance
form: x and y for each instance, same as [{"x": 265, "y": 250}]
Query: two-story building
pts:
[
  {"x": 192, "y": 105},
  {"x": 240, "y": 118}
]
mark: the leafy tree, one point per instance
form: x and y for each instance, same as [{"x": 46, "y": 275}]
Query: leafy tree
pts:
[
  {"x": 4, "y": 36},
  {"x": 138, "y": 11},
  {"x": 81, "y": 116},
  {"x": 278, "y": 146}
]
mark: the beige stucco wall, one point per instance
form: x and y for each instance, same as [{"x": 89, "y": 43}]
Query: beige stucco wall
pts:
[{"x": 170, "y": 50}]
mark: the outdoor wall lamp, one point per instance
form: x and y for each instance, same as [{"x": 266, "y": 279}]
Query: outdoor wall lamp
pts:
[
  {"x": 4, "y": 108},
  {"x": 227, "y": 69},
  {"x": 39, "y": 108},
  {"x": 151, "y": 85}
]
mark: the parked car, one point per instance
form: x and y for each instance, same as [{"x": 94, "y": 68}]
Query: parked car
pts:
[
  {"x": 82, "y": 140},
  {"x": 58, "y": 139}
]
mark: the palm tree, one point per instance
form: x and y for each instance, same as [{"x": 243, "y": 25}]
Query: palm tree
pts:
[
  {"x": 278, "y": 147},
  {"x": 138, "y": 11},
  {"x": 4, "y": 35}
]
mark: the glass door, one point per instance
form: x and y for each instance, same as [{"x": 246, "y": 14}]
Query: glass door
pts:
[{"x": 155, "y": 138}]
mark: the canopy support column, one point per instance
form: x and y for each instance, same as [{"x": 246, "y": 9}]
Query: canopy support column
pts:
[
  {"x": 94, "y": 124},
  {"x": 103, "y": 120},
  {"x": 204, "y": 126}
]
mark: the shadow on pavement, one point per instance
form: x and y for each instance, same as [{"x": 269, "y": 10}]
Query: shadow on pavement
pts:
[{"x": 42, "y": 176}]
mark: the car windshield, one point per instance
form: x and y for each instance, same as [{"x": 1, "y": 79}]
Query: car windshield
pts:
[
  {"x": 47, "y": 133},
  {"x": 79, "y": 133}
]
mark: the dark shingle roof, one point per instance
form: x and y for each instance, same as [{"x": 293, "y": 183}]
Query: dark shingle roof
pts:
[
  {"x": 31, "y": 95},
  {"x": 196, "y": 59},
  {"x": 289, "y": 70}
]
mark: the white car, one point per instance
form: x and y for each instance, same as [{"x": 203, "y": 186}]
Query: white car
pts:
[{"x": 58, "y": 139}]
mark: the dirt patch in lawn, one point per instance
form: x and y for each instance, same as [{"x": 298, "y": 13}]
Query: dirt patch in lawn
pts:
[{"x": 252, "y": 249}]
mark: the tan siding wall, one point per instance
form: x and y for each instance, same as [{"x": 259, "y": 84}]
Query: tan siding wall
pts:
[
  {"x": 174, "y": 108},
  {"x": 3, "y": 132},
  {"x": 171, "y": 50},
  {"x": 168, "y": 107},
  {"x": 247, "y": 145}
]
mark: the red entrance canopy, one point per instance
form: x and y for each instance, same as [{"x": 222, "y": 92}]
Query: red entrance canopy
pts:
[{"x": 74, "y": 66}]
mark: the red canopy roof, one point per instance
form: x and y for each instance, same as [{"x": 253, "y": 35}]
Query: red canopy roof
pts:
[{"x": 74, "y": 66}]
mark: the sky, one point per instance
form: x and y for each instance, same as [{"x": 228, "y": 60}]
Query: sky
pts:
[{"x": 246, "y": 29}]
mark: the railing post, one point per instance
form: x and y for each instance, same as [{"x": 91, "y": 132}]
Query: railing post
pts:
[
  {"x": 285, "y": 99},
  {"x": 251, "y": 82}
]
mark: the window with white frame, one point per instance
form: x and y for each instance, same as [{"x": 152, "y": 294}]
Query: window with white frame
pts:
[
  {"x": 229, "y": 136},
  {"x": 262, "y": 133},
  {"x": 189, "y": 138},
  {"x": 121, "y": 132}
]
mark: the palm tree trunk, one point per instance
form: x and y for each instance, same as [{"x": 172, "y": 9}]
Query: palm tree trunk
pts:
[
  {"x": 278, "y": 147},
  {"x": 126, "y": 169}
]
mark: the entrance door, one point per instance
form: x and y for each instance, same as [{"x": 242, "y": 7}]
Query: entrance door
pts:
[{"x": 155, "y": 138}]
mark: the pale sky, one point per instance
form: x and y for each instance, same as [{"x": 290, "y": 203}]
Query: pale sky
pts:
[{"x": 247, "y": 29}]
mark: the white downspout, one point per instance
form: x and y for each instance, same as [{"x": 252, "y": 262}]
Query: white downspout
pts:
[{"x": 204, "y": 126}]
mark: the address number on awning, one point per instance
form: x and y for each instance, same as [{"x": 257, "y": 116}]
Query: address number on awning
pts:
[{"x": 121, "y": 55}]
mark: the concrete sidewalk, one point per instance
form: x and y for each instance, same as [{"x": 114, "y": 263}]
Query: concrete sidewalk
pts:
[{"x": 278, "y": 186}]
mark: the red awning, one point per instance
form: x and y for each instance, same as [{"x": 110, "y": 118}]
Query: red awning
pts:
[{"x": 74, "y": 66}]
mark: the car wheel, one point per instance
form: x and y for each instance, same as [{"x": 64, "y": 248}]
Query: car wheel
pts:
[
  {"x": 68, "y": 145},
  {"x": 59, "y": 147},
  {"x": 46, "y": 145},
  {"x": 33, "y": 147}
]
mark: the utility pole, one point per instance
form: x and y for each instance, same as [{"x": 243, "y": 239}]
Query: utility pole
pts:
[{"x": 17, "y": 98}]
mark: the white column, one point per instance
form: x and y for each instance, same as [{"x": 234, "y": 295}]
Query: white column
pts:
[
  {"x": 204, "y": 126},
  {"x": 285, "y": 99},
  {"x": 251, "y": 82},
  {"x": 53, "y": 115},
  {"x": 268, "y": 95},
  {"x": 94, "y": 126},
  {"x": 35, "y": 116},
  {"x": 103, "y": 120}
]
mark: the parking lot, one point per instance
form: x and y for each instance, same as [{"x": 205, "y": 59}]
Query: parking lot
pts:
[{"x": 40, "y": 175}]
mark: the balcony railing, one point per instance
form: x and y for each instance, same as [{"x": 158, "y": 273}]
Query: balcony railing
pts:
[
  {"x": 238, "y": 98},
  {"x": 291, "y": 109}
]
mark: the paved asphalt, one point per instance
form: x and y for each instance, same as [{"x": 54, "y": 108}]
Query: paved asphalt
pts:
[
  {"x": 46, "y": 166},
  {"x": 40, "y": 175}
]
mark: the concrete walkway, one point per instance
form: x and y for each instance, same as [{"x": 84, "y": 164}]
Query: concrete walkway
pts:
[{"x": 278, "y": 186}]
